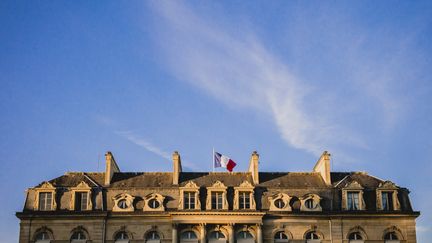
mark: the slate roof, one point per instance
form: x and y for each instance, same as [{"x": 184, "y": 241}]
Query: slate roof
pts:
[{"x": 205, "y": 179}]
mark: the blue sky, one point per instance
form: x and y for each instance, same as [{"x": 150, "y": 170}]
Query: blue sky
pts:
[{"x": 289, "y": 79}]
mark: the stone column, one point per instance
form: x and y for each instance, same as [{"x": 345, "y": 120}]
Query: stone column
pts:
[
  {"x": 230, "y": 228},
  {"x": 174, "y": 233},
  {"x": 259, "y": 234},
  {"x": 203, "y": 233}
]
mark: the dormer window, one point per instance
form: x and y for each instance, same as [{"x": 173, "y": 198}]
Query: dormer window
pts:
[
  {"x": 387, "y": 201},
  {"x": 244, "y": 200},
  {"x": 279, "y": 202},
  {"x": 352, "y": 197},
  {"x": 310, "y": 202},
  {"x": 81, "y": 201},
  {"x": 353, "y": 202},
  {"x": 189, "y": 197},
  {"x": 387, "y": 198},
  {"x": 216, "y": 198},
  {"x": 123, "y": 203},
  {"x": 81, "y": 197},
  {"x": 244, "y": 196},
  {"x": 45, "y": 201},
  {"x": 45, "y": 197},
  {"x": 154, "y": 202},
  {"x": 189, "y": 200}
]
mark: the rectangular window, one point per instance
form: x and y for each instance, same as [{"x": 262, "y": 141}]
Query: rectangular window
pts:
[
  {"x": 244, "y": 200},
  {"x": 387, "y": 200},
  {"x": 45, "y": 201},
  {"x": 216, "y": 198},
  {"x": 189, "y": 200},
  {"x": 353, "y": 201},
  {"x": 81, "y": 201}
]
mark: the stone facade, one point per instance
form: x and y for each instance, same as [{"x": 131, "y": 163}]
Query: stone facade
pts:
[{"x": 317, "y": 206}]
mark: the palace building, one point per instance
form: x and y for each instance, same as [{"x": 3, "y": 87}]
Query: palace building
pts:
[{"x": 215, "y": 207}]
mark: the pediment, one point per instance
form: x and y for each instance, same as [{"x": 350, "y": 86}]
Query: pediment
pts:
[
  {"x": 82, "y": 185},
  {"x": 387, "y": 185},
  {"x": 246, "y": 184},
  {"x": 218, "y": 184},
  {"x": 353, "y": 185},
  {"x": 280, "y": 195},
  {"x": 46, "y": 185},
  {"x": 123, "y": 196},
  {"x": 311, "y": 196},
  {"x": 191, "y": 184}
]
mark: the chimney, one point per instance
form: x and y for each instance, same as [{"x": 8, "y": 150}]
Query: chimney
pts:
[
  {"x": 177, "y": 168},
  {"x": 253, "y": 167},
  {"x": 111, "y": 167},
  {"x": 323, "y": 167}
]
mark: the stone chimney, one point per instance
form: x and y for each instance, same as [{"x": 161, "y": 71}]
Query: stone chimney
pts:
[
  {"x": 111, "y": 167},
  {"x": 323, "y": 167},
  {"x": 253, "y": 167},
  {"x": 177, "y": 168}
]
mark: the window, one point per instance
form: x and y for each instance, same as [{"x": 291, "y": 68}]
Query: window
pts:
[
  {"x": 42, "y": 237},
  {"x": 279, "y": 203},
  {"x": 153, "y": 203},
  {"x": 152, "y": 236},
  {"x": 78, "y": 237},
  {"x": 216, "y": 235},
  {"x": 244, "y": 200},
  {"x": 244, "y": 235},
  {"x": 189, "y": 200},
  {"x": 355, "y": 236},
  {"x": 188, "y": 235},
  {"x": 122, "y": 204},
  {"x": 387, "y": 200},
  {"x": 121, "y": 237},
  {"x": 353, "y": 201},
  {"x": 281, "y": 237},
  {"x": 391, "y": 236},
  {"x": 312, "y": 237},
  {"x": 81, "y": 201},
  {"x": 45, "y": 201},
  {"x": 216, "y": 198},
  {"x": 310, "y": 203}
]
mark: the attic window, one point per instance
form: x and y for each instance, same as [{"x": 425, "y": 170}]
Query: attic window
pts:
[
  {"x": 81, "y": 201},
  {"x": 122, "y": 204},
  {"x": 353, "y": 202},
  {"x": 45, "y": 201},
  {"x": 310, "y": 204},
  {"x": 279, "y": 203},
  {"x": 387, "y": 200}
]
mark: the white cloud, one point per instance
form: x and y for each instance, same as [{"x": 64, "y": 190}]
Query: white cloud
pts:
[{"x": 238, "y": 66}]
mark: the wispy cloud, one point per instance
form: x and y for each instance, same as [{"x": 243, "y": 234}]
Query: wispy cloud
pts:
[
  {"x": 237, "y": 64},
  {"x": 144, "y": 143}
]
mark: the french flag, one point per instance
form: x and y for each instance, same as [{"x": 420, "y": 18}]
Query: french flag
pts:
[{"x": 221, "y": 160}]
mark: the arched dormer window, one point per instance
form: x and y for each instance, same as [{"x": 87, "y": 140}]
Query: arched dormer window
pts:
[
  {"x": 279, "y": 202},
  {"x": 123, "y": 203},
  {"x": 310, "y": 202},
  {"x": 154, "y": 202}
]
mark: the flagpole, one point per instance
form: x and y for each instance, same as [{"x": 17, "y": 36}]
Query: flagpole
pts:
[{"x": 213, "y": 160}]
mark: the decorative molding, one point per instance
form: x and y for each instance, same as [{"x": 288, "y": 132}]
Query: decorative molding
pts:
[
  {"x": 189, "y": 187},
  {"x": 391, "y": 187},
  {"x": 353, "y": 186},
  {"x": 245, "y": 186},
  {"x": 81, "y": 187},
  {"x": 46, "y": 186}
]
